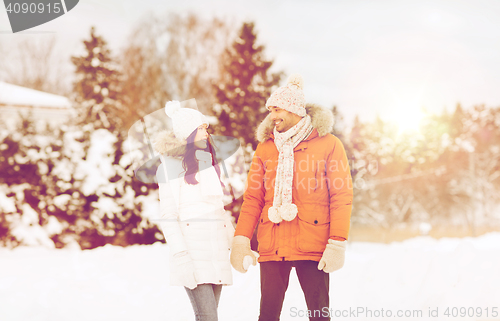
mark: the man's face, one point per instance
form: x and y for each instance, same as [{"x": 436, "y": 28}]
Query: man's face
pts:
[{"x": 283, "y": 120}]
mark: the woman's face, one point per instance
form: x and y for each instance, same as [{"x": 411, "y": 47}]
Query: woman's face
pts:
[{"x": 200, "y": 140}]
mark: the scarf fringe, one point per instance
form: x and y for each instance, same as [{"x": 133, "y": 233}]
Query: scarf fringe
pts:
[{"x": 283, "y": 208}]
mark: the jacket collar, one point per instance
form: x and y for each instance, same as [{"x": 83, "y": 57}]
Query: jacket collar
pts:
[
  {"x": 321, "y": 120},
  {"x": 166, "y": 143}
]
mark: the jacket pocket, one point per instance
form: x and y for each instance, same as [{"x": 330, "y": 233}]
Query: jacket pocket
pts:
[
  {"x": 265, "y": 234},
  {"x": 313, "y": 234}
]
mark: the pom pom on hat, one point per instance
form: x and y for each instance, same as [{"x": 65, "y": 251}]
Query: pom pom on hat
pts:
[
  {"x": 184, "y": 120},
  {"x": 290, "y": 97},
  {"x": 297, "y": 80},
  {"x": 172, "y": 107}
]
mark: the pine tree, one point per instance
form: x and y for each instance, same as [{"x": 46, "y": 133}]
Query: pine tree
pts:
[
  {"x": 244, "y": 86},
  {"x": 97, "y": 88},
  {"x": 32, "y": 185},
  {"x": 111, "y": 208},
  {"x": 241, "y": 92}
]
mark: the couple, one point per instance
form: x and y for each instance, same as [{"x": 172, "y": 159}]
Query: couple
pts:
[{"x": 299, "y": 192}]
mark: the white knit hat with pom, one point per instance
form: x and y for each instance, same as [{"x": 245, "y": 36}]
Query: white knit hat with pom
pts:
[
  {"x": 184, "y": 120},
  {"x": 290, "y": 97}
]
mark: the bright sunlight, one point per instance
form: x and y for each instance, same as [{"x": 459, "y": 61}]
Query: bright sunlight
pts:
[{"x": 408, "y": 118}]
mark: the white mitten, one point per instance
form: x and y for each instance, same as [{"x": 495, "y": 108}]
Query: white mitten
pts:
[
  {"x": 248, "y": 260},
  {"x": 241, "y": 254},
  {"x": 333, "y": 256},
  {"x": 185, "y": 265}
]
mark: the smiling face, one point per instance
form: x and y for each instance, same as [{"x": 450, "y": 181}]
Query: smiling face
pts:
[
  {"x": 283, "y": 120},
  {"x": 200, "y": 140}
]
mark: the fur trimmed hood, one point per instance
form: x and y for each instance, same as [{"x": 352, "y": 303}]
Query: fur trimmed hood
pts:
[
  {"x": 321, "y": 119},
  {"x": 166, "y": 143}
]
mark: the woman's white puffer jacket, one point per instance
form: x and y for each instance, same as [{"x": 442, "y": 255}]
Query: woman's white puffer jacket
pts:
[{"x": 190, "y": 221}]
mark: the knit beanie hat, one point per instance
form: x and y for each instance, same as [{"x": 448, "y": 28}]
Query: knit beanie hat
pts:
[
  {"x": 290, "y": 97},
  {"x": 184, "y": 120}
]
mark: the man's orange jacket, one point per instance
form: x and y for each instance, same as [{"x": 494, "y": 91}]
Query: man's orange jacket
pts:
[{"x": 322, "y": 190}]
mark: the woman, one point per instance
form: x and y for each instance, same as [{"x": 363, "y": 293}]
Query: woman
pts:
[{"x": 197, "y": 229}]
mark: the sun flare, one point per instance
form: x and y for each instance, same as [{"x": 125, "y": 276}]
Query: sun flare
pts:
[{"x": 408, "y": 118}]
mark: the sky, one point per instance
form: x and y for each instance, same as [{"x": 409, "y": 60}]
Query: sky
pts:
[{"x": 393, "y": 59}]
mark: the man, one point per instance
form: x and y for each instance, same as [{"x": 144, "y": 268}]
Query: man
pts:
[{"x": 299, "y": 190}]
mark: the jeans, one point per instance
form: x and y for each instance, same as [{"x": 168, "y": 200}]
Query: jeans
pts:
[
  {"x": 274, "y": 277},
  {"x": 205, "y": 299}
]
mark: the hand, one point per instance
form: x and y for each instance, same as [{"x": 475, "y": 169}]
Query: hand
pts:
[
  {"x": 186, "y": 266},
  {"x": 241, "y": 254},
  {"x": 333, "y": 256}
]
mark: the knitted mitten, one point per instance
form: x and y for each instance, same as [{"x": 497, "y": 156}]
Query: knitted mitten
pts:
[
  {"x": 241, "y": 254},
  {"x": 333, "y": 256},
  {"x": 185, "y": 264}
]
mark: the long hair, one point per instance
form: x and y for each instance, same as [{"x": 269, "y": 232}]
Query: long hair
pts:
[{"x": 190, "y": 163}]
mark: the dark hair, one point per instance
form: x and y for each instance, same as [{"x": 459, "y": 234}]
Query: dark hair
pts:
[{"x": 190, "y": 163}]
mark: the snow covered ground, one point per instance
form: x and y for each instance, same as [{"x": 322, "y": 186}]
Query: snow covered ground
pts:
[{"x": 114, "y": 283}]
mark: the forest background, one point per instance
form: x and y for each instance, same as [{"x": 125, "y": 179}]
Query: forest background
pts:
[{"x": 75, "y": 184}]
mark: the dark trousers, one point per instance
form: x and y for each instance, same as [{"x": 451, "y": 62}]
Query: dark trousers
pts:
[{"x": 274, "y": 277}]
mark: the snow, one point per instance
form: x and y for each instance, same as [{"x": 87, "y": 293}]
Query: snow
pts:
[
  {"x": 7, "y": 204},
  {"x": 115, "y": 283},
  {"x": 28, "y": 232},
  {"x": 53, "y": 227},
  {"x": 98, "y": 166},
  {"x": 61, "y": 200},
  {"x": 21, "y": 96},
  {"x": 107, "y": 206},
  {"x": 150, "y": 205}
]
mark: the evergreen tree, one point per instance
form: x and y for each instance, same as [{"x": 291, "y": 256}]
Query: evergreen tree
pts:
[
  {"x": 113, "y": 198},
  {"x": 41, "y": 203},
  {"x": 244, "y": 86},
  {"x": 35, "y": 189},
  {"x": 97, "y": 86},
  {"x": 241, "y": 92}
]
